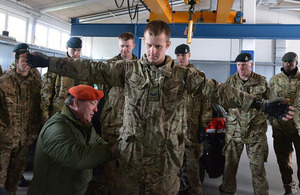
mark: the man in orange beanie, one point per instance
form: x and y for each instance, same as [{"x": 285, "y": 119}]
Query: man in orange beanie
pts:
[{"x": 68, "y": 146}]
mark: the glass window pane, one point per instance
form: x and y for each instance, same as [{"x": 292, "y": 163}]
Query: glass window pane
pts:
[
  {"x": 2, "y": 22},
  {"x": 41, "y": 34},
  {"x": 54, "y": 39},
  {"x": 17, "y": 28},
  {"x": 64, "y": 38}
]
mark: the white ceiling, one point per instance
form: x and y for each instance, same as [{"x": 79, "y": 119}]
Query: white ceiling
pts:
[{"x": 107, "y": 10}]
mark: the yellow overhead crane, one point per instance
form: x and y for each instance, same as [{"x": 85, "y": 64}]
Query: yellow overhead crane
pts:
[{"x": 161, "y": 9}]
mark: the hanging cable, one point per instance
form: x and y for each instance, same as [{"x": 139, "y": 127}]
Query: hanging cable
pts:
[
  {"x": 119, "y": 6},
  {"x": 135, "y": 10}
]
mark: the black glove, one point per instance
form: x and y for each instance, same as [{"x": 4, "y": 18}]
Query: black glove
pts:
[
  {"x": 37, "y": 60},
  {"x": 273, "y": 108},
  {"x": 201, "y": 134}
]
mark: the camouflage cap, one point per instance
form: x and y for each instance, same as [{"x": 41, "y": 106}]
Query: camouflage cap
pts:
[
  {"x": 20, "y": 46},
  {"x": 85, "y": 92},
  {"x": 182, "y": 49},
  {"x": 243, "y": 57},
  {"x": 74, "y": 42},
  {"x": 289, "y": 56}
]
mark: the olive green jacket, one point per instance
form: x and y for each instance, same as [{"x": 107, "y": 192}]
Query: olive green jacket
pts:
[
  {"x": 20, "y": 113},
  {"x": 250, "y": 126},
  {"x": 285, "y": 86},
  {"x": 151, "y": 138},
  {"x": 66, "y": 152}
]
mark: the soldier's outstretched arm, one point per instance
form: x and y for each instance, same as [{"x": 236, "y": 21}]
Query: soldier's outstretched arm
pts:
[
  {"x": 84, "y": 70},
  {"x": 230, "y": 97}
]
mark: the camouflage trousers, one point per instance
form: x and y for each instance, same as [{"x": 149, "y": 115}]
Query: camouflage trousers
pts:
[
  {"x": 257, "y": 154},
  {"x": 12, "y": 166},
  {"x": 193, "y": 154},
  {"x": 131, "y": 181},
  {"x": 283, "y": 147}
]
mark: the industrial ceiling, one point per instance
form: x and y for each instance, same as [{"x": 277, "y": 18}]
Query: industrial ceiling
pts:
[{"x": 116, "y": 11}]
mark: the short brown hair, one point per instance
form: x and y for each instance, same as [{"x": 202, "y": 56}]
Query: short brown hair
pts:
[
  {"x": 156, "y": 27},
  {"x": 126, "y": 36}
]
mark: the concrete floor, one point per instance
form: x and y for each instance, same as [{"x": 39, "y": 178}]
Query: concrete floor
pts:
[{"x": 244, "y": 185}]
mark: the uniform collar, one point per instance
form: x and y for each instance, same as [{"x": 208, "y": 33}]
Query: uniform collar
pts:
[{"x": 165, "y": 70}]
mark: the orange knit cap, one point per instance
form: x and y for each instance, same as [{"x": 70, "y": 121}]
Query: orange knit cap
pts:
[{"x": 85, "y": 92}]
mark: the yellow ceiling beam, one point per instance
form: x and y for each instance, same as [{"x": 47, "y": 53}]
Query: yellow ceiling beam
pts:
[
  {"x": 161, "y": 9},
  {"x": 223, "y": 10},
  {"x": 208, "y": 17}
]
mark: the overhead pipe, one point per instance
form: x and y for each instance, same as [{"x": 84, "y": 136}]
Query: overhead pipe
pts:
[
  {"x": 287, "y": 8},
  {"x": 65, "y": 5}
]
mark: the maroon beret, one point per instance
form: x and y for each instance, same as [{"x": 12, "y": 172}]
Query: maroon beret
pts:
[{"x": 85, "y": 92}]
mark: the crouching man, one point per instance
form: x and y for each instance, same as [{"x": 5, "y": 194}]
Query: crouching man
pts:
[{"x": 68, "y": 146}]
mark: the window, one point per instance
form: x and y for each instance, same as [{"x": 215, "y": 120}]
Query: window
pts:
[
  {"x": 54, "y": 39},
  {"x": 17, "y": 27},
  {"x": 2, "y": 22},
  {"x": 64, "y": 38},
  {"x": 41, "y": 34}
]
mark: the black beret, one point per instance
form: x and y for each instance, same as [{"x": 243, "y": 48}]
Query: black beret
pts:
[
  {"x": 74, "y": 42},
  {"x": 289, "y": 56},
  {"x": 182, "y": 49},
  {"x": 243, "y": 57},
  {"x": 20, "y": 46}
]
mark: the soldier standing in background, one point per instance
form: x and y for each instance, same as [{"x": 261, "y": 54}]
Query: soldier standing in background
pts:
[
  {"x": 246, "y": 128},
  {"x": 151, "y": 141},
  {"x": 20, "y": 120},
  {"x": 285, "y": 133},
  {"x": 23, "y": 182},
  {"x": 113, "y": 110},
  {"x": 55, "y": 88},
  {"x": 197, "y": 113}
]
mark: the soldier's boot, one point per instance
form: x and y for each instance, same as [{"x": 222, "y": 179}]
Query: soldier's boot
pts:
[{"x": 290, "y": 189}]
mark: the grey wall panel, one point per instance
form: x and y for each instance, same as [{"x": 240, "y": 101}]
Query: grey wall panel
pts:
[{"x": 216, "y": 71}]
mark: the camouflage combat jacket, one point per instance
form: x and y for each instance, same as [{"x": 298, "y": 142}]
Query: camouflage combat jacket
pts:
[
  {"x": 20, "y": 113},
  {"x": 288, "y": 87},
  {"x": 197, "y": 112},
  {"x": 113, "y": 110},
  {"x": 151, "y": 139},
  {"x": 54, "y": 92},
  {"x": 251, "y": 126}
]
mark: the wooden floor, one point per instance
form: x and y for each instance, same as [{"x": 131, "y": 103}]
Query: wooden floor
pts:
[{"x": 244, "y": 185}]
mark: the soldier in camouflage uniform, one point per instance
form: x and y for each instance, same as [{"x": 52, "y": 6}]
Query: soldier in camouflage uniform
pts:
[
  {"x": 55, "y": 88},
  {"x": 246, "y": 128},
  {"x": 151, "y": 141},
  {"x": 112, "y": 112},
  {"x": 197, "y": 113},
  {"x": 285, "y": 134},
  {"x": 19, "y": 120},
  {"x": 34, "y": 71}
]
